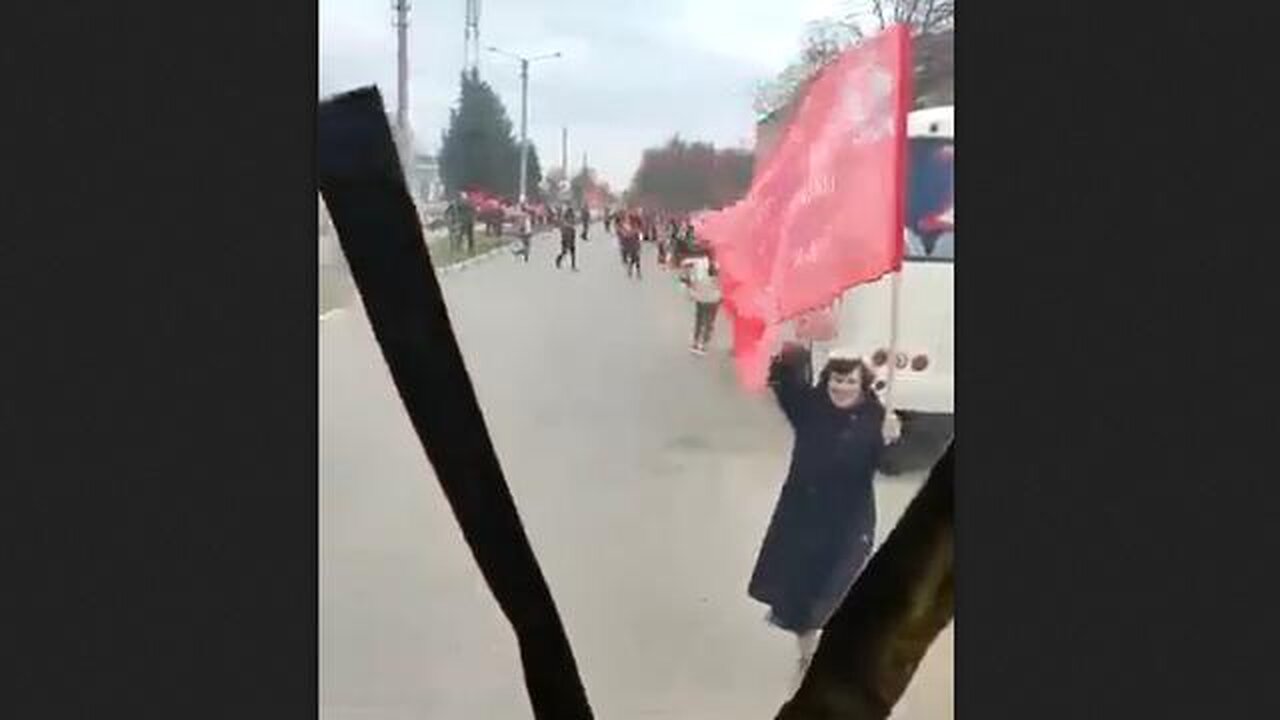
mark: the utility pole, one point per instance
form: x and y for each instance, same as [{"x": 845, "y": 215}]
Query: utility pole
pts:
[
  {"x": 564, "y": 163},
  {"x": 402, "y": 65},
  {"x": 403, "y": 133},
  {"x": 524, "y": 111},
  {"x": 524, "y": 126},
  {"x": 471, "y": 37}
]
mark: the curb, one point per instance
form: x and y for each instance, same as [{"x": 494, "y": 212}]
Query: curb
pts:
[
  {"x": 503, "y": 248},
  {"x": 450, "y": 269},
  {"x": 459, "y": 266}
]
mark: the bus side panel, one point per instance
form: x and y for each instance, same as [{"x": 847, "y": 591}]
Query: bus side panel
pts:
[{"x": 926, "y": 327}]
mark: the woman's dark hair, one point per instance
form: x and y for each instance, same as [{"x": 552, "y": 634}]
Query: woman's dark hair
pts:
[{"x": 844, "y": 366}]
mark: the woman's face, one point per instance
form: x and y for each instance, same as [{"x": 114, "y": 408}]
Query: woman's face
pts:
[{"x": 845, "y": 389}]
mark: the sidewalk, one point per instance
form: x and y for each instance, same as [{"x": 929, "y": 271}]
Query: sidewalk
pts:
[{"x": 337, "y": 289}]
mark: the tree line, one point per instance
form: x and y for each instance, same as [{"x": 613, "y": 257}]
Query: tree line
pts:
[{"x": 681, "y": 177}]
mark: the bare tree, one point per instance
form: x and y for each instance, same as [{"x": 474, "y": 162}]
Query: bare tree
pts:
[
  {"x": 932, "y": 24},
  {"x": 682, "y": 176},
  {"x": 823, "y": 40},
  {"x": 931, "y": 21},
  {"x": 924, "y": 16}
]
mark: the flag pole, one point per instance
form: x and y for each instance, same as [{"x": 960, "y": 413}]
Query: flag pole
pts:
[
  {"x": 904, "y": 91},
  {"x": 895, "y": 291}
]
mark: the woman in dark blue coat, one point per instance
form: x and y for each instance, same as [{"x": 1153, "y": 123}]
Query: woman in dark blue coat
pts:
[{"x": 823, "y": 526}]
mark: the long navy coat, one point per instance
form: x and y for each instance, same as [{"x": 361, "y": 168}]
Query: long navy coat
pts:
[{"x": 823, "y": 525}]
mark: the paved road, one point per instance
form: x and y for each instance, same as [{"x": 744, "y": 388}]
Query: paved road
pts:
[{"x": 645, "y": 479}]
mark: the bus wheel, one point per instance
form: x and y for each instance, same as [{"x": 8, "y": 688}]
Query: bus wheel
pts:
[{"x": 924, "y": 438}]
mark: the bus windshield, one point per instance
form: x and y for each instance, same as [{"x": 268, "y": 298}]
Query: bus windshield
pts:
[{"x": 931, "y": 199}]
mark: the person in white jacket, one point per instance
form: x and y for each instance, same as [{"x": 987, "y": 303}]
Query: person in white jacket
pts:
[
  {"x": 525, "y": 234},
  {"x": 699, "y": 274}
]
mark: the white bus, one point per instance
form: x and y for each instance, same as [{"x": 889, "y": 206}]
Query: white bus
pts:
[{"x": 923, "y": 392}]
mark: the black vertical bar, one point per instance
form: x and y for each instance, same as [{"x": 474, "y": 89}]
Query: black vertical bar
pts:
[{"x": 363, "y": 186}]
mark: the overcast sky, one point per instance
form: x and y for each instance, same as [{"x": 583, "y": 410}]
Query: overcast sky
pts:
[{"x": 633, "y": 73}]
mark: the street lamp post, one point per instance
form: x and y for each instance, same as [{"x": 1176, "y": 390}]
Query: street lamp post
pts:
[
  {"x": 524, "y": 127},
  {"x": 524, "y": 112}
]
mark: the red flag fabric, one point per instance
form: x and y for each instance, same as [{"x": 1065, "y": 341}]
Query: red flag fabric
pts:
[
  {"x": 482, "y": 201},
  {"x": 825, "y": 210}
]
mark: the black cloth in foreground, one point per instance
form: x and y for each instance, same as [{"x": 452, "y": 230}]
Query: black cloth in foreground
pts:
[{"x": 363, "y": 187}]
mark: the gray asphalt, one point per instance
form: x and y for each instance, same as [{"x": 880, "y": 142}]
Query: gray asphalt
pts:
[{"x": 644, "y": 476}]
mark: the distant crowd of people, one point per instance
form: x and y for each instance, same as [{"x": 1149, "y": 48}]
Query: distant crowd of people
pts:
[
  {"x": 678, "y": 248},
  {"x": 677, "y": 245},
  {"x": 463, "y": 214},
  {"x": 674, "y": 237}
]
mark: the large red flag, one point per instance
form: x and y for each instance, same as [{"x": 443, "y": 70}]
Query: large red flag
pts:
[{"x": 825, "y": 209}]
